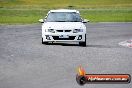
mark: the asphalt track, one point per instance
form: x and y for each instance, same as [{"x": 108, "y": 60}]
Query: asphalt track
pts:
[{"x": 26, "y": 63}]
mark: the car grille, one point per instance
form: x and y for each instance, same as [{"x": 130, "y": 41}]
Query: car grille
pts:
[
  {"x": 63, "y": 30},
  {"x": 57, "y": 38},
  {"x": 59, "y": 30},
  {"x": 67, "y": 30}
]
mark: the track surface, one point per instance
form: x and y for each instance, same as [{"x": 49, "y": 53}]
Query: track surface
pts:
[{"x": 26, "y": 63}]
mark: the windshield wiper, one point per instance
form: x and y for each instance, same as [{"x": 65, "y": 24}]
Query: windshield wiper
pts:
[
  {"x": 67, "y": 21},
  {"x": 60, "y": 21},
  {"x": 74, "y": 21}
]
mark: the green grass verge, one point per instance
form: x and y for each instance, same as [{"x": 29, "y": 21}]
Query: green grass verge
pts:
[
  {"x": 20, "y": 16},
  {"x": 108, "y": 15},
  {"x": 65, "y": 3},
  {"x": 29, "y": 11},
  {"x": 94, "y": 15}
]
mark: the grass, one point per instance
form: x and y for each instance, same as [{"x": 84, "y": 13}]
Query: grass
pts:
[
  {"x": 21, "y": 16},
  {"x": 108, "y": 15},
  {"x": 65, "y": 3},
  {"x": 29, "y": 11}
]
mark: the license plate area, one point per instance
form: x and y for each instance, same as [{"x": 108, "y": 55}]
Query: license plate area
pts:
[{"x": 63, "y": 36}]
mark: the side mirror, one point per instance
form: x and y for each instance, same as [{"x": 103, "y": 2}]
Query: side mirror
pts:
[
  {"x": 85, "y": 21},
  {"x": 41, "y": 20}
]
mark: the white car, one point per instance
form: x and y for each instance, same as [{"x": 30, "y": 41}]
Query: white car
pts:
[{"x": 63, "y": 25}]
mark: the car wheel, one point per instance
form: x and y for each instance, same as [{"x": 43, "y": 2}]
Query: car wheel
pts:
[
  {"x": 83, "y": 43},
  {"x": 44, "y": 42}
]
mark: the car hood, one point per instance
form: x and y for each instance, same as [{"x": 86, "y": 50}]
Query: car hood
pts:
[{"x": 63, "y": 25}]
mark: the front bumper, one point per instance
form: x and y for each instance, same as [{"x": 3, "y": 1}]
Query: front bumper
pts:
[{"x": 74, "y": 37}]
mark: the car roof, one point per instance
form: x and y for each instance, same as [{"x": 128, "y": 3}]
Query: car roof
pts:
[{"x": 64, "y": 10}]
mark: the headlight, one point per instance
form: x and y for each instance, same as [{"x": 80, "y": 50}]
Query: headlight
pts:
[
  {"x": 50, "y": 30},
  {"x": 77, "y": 30}
]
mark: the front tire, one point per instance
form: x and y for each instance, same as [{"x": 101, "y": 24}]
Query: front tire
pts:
[
  {"x": 44, "y": 42},
  {"x": 83, "y": 43}
]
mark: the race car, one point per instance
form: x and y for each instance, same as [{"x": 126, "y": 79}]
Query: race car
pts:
[{"x": 63, "y": 25}]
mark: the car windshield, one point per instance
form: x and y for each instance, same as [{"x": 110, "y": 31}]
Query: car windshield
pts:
[{"x": 63, "y": 17}]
